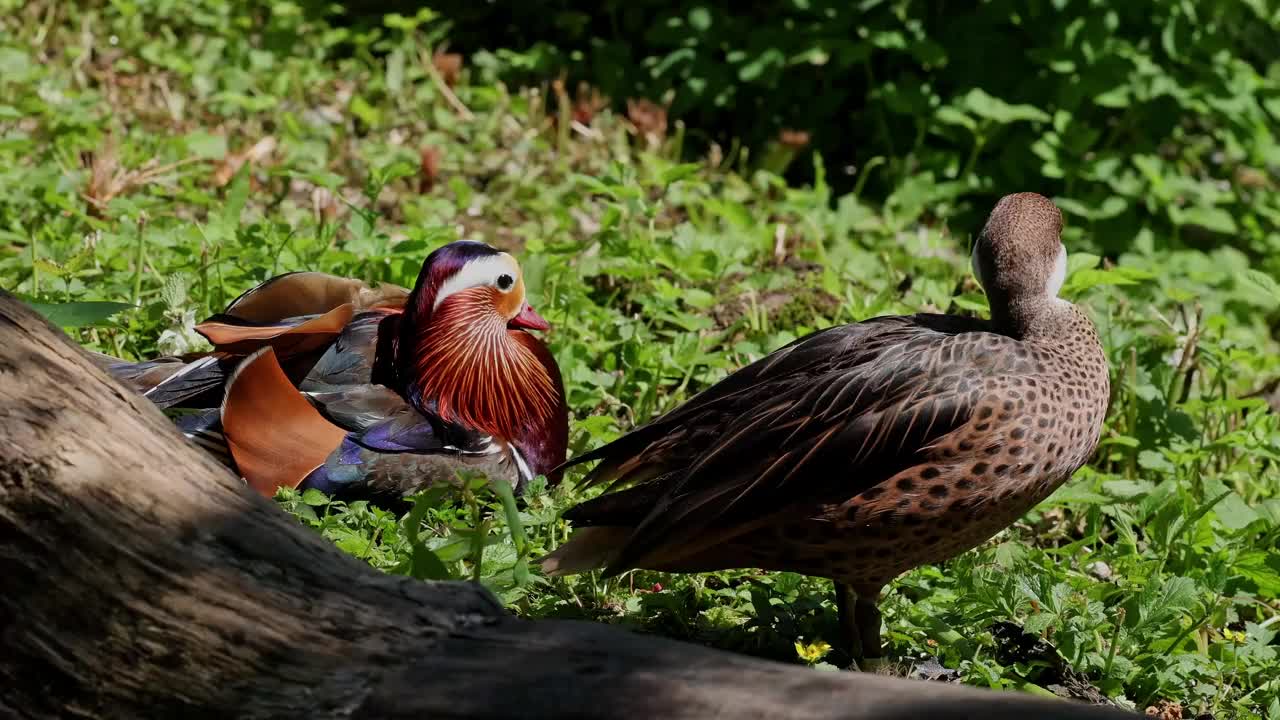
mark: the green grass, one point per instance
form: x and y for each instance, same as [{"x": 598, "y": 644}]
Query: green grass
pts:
[{"x": 1154, "y": 574}]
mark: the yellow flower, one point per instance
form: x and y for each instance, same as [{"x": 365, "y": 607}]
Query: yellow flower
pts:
[
  {"x": 812, "y": 652},
  {"x": 1234, "y": 636}
]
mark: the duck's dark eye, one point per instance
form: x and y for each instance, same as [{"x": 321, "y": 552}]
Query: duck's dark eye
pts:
[{"x": 505, "y": 282}]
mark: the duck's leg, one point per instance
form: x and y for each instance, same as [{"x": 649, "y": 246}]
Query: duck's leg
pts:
[
  {"x": 846, "y": 610},
  {"x": 866, "y": 616}
]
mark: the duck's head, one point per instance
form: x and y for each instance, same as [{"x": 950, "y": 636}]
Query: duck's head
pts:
[
  {"x": 476, "y": 279},
  {"x": 464, "y": 352},
  {"x": 1020, "y": 260}
]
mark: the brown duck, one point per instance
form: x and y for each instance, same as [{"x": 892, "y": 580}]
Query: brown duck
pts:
[{"x": 862, "y": 451}]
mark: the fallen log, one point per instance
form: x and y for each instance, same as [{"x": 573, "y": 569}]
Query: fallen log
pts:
[{"x": 141, "y": 579}]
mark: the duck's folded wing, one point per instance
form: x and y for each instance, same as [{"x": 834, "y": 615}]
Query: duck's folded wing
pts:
[
  {"x": 670, "y": 441},
  {"x": 353, "y": 357},
  {"x": 357, "y": 441},
  {"x": 840, "y": 410},
  {"x": 173, "y": 381},
  {"x": 357, "y": 407},
  {"x": 287, "y": 337},
  {"x": 676, "y": 439},
  {"x": 275, "y": 436},
  {"x": 379, "y": 418},
  {"x": 404, "y": 451},
  {"x": 297, "y": 294}
]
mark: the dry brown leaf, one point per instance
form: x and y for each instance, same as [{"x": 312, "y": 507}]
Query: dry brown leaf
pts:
[
  {"x": 324, "y": 204},
  {"x": 1165, "y": 710},
  {"x": 794, "y": 138},
  {"x": 587, "y": 103},
  {"x": 232, "y": 163},
  {"x": 449, "y": 65},
  {"x": 429, "y": 168},
  {"x": 1252, "y": 178},
  {"x": 108, "y": 180},
  {"x": 649, "y": 120}
]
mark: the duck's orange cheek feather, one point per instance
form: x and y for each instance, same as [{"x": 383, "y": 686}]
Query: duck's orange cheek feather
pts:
[{"x": 508, "y": 304}]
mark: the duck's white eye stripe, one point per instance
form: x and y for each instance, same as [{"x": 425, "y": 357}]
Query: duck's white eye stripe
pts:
[{"x": 481, "y": 271}]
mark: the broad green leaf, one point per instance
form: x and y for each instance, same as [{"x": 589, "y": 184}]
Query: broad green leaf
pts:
[
  {"x": 679, "y": 172},
  {"x": 1263, "y": 569},
  {"x": 1262, "y": 283},
  {"x": 1081, "y": 261},
  {"x": 700, "y": 18},
  {"x": 15, "y": 65},
  {"x": 1110, "y": 207},
  {"x": 1234, "y": 513},
  {"x": 423, "y": 562},
  {"x": 1213, "y": 219},
  {"x": 771, "y": 58},
  {"x": 972, "y": 302},
  {"x": 79, "y": 314},
  {"x": 954, "y": 116},
  {"x": 368, "y": 114},
  {"x": 426, "y": 565},
  {"x": 206, "y": 145},
  {"x": 237, "y": 196},
  {"x": 993, "y": 108},
  {"x": 595, "y": 185},
  {"x": 1153, "y": 460},
  {"x": 1092, "y": 277},
  {"x": 1269, "y": 509},
  {"x": 315, "y": 498},
  {"x": 395, "y": 71},
  {"x": 1126, "y": 489},
  {"x": 1157, "y": 603}
]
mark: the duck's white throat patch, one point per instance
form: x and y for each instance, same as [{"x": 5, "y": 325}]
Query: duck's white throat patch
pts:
[
  {"x": 1056, "y": 279},
  {"x": 1059, "y": 275}
]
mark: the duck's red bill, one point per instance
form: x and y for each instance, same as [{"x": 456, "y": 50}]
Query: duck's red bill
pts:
[{"x": 529, "y": 319}]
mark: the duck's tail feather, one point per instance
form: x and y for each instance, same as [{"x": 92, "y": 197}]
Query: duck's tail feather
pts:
[
  {"x": 589, "y": 548},
  {"x": 628, "y": 506},
  {"x": 204, "y": 428},
  {"x": 138, "y": 376},
  {"x": 205, "y": 375},
  {"x": 622, "y": 460},
  {"x": 104, "y": 360},
  {"x": 169, "y": 381},
  {"x": 274, "y": 434}
]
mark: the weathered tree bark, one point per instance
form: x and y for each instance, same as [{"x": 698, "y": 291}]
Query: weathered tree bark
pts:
[{"x": 138, "y": 578}]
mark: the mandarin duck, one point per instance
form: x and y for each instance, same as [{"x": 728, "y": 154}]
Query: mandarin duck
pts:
[
  {"x": 317, "y": 381},
  {"x": 862, "y": 451}
]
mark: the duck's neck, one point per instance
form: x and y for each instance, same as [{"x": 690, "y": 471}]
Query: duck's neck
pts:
[
  {"x": 469, "y": 368},
  {"x": 1042, "y": 317}
]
